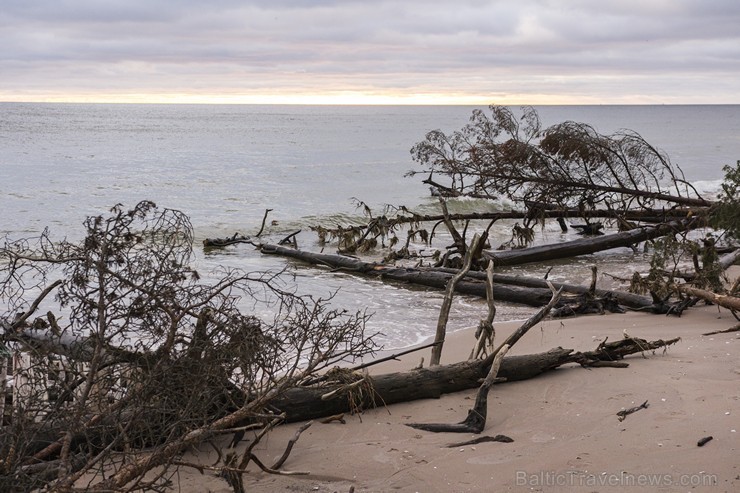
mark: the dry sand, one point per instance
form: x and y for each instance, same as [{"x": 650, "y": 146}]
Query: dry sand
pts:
[{"x": 567, "y": 436}]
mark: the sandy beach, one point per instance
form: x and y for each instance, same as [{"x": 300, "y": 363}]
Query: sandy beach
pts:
[{"x": 566, "y": 432}]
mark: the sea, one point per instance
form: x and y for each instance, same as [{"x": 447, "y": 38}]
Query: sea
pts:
[{"x": 225, "y": 165}]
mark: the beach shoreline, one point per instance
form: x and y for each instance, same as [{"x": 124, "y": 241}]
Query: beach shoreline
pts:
[{"x": 567, "y": 435}]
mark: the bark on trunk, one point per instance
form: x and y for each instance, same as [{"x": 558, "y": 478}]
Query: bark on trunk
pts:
[
  {"x": 431, "y": 278},
  {"x": 512, "y": 289},
  {"x": 727, "y": 301},
  {"x": 630, "y": 300},
  {"x": 304, "y": 403},
  {"x": 584, "y": 246}
]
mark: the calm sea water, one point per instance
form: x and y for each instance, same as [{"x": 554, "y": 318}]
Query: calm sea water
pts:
[{"x": 224, "y": 165}]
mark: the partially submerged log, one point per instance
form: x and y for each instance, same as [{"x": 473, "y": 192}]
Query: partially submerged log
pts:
[
  {"x": 512, "y": 289},
  {"x": 583, "y": 246},
  {"x": 422, "y": 277},
  {"x": 222, "y": 242},
  {"x": 544, "y": 211},
  {"x": 630, "y": 300}
]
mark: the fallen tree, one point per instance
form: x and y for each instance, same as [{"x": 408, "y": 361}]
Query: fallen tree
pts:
[
  {"x": 422, "y": 277},
  {"x": 566, "y": 170},
  {"x": 501, "y": 154},
  {"x": 103, "y": 389},
  {"x": 308, "y": 402},
  {"x": 513, "y": 289},
  {"x": 563, "y": 171},
  {"x": 583, "y": 246}
]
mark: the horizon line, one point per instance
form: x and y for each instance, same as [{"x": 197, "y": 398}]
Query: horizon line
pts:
[
  {"x": 351, "y": 98},
  {"x": 329, "y": 103}
]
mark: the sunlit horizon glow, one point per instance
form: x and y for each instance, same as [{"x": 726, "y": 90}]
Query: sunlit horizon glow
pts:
[{"x": 338, "y": 98}]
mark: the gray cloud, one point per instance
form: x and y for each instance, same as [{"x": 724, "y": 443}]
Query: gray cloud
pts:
[{"x": 655, "y": 49}]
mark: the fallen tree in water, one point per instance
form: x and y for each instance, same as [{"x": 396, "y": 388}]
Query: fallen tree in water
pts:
[
  {"x": 584, "y": 246},
  {"x": 513, "y": 289},
  {"x": 567, "y": 170}
]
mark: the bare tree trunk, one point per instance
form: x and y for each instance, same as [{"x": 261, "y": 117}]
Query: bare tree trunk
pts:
[
  {"x": 485, "y": 333},
  {"x": 3, "y": 384},
  {"x": 423, "y": 277},
  {"x": 444, "y": 311},
  {"x": 304, "y": 403},
  {"x": 534, "y": 292},
  {"x": 585, "y": 246},
  {"x": 727, "y": 301}
]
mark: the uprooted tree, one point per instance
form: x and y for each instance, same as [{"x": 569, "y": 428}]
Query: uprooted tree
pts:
[
  {"x": 135, "y": 353},
  {"x": 566, "y": 165}
]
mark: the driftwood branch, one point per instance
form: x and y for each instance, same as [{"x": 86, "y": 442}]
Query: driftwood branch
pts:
[
  {"x": 621, "y": 415},
  {"x": 278, "y": 464},
  {"x": 723, "y": 300},
  {"x": 458, "y": 240},
  {"x": 264, "y": 220},
  {"x": 444, "y": 311},
  {"x": 725, "y": 331},
  {"x": 475, "y": 441},
  {"x": 394, "y": 356},
  {"x": 486, "y": 334},
  {"x": 475, "y": 422}
]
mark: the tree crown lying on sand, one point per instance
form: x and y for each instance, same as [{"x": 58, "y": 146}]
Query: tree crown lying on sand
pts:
[{"x": 136, "y": 352}]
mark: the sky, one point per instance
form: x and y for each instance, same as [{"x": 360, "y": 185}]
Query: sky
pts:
[{"x": 371, "y": 52}]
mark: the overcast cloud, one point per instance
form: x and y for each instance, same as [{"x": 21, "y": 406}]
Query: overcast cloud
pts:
[{"x": 576, "y": 51}]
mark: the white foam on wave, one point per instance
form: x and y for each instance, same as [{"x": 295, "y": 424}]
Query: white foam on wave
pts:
[{"x": 709, "y": 189}]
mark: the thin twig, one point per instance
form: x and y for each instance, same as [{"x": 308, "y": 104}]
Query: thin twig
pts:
[
  {"x": 291, "y": 442},
  {"x": 264, "y": 220}
]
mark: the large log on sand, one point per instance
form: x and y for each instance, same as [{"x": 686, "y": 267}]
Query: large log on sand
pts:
[{"x": 303, "y": 403}]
